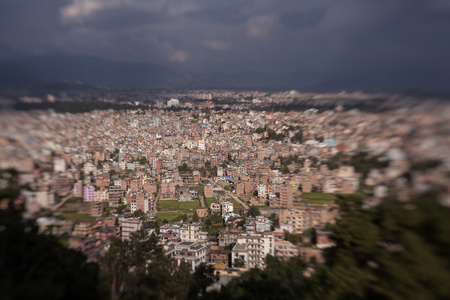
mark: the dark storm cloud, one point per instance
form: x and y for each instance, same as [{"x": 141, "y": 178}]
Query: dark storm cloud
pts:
[{"x": 327, "y": 38}]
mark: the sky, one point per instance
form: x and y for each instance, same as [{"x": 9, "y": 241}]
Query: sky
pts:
[{"x": 391, "y": 38}]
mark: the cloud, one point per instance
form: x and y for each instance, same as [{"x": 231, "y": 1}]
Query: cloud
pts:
[
  {"x": 179, "y": 56},
  {"x": 80, "y": 9},
  {"x": 261, "y": 26},
  {"x": 327, "y": 37},
  {"x": 216, "y": 45}
]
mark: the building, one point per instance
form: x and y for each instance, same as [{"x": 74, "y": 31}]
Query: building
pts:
[
  {"x": 298, "y": 218},
  {"x": 82, "y": 229},
  {"x": 129, "y": 226},
  {"x": 227, "y": 207},
  {"x": 45, "y": 197},
  {"x": 202, "y": 212},
  {"x": 215, "y": 208},
  {"x": 228, "y": 237},
  {"x": 169, "y": 228},
  {"x": 192, "y": 253},
  {"x": 115, "y": 196},
  {"x": 254, "y": 248},
  {"x": 262, "y": 190},
  {"x": 285, "y": 249},
  {"x": 192, "y": 232},
  {"x": 208, "y": 190},
  {"x": 173, "y": 102},
  {"x": 59, "y": 165},
  {"x": 88, "y": 193},
  {"x": 78, "y": 189},
  {"x": 259, "y": 224},
  {"x": 285, "y": 196},
  {"x": 96, "y": 209},
  {"x": 105, "y": 233}
]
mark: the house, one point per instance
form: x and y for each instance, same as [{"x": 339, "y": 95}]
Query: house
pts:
[{"x": 193, "y": 253}]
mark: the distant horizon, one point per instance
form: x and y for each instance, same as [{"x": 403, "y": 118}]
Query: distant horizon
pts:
[{"x": 327, "y": 45}]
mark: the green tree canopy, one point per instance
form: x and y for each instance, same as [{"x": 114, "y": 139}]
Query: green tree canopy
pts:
[{"x": 253, "y": 211}]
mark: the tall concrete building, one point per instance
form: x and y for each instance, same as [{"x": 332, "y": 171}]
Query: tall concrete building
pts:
[
  {"x": 209, "y": 191},
  {"x": 115, "y": 196}
]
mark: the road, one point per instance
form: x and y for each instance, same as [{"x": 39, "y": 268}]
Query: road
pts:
[
  {"x": 231, "y": 195},
  {"x": 63, "y": 201}
]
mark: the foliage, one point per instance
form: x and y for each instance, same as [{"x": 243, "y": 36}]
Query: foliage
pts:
[
  {"x": 139, "y": 269},
  {"x": 393, "y": 251},
  {"x": 143, "y": 160},
  {"x": 260, "y": 130},
  {"x": 34, "y": 266},
  {"x": 272, "y": 135},
  {"x": 253, "y": 211},
  {"x": 195, "y": 217},
  {"x": 121, "y": 208},
  {"x": 140, "y": 214},
  {"x": 280, "y": 280},
  {"x": 239, "y": 262},
  {"x": 298, "y": 137},
  {"x": 184, "y": 168}
]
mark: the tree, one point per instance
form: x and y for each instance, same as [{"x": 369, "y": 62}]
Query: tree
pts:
[
  {"x": 143, "y": 160},
  {"x": 298, "y": 136},
  {"x": 195, "y": 217},
  {"x": 34, "y": 266},
  {"x": 392, "y": 251},
  {"x": 253, "y": 211},
  {"x": 239, "y": 262},
  {"x": 184, "y": 218}
]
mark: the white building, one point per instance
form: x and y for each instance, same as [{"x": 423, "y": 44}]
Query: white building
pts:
[
  {"x": 227, "y": 207},
  {"x": 173, "y": 102},
  {"x": 59, "y": 165},
  {"x": 254, "y": 248},
  {"x": 192, "y": 253},
  {"x": 45, "y": 198},
  {"x": 257, "y": 225},
  {"x": 262, "y": 190},
  {"x": 88, "y": 168},
  {"x": 192, "y": 232}
]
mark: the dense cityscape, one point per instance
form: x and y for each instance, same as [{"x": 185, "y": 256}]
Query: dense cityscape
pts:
[{"x": 220, "y": 185}]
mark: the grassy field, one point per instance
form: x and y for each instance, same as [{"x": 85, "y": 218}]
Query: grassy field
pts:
[
  {"x": 169, "y": 215},
  {"x": 318, "y": 198},
  {"x": 198, "y": 188},
  {"x": 208, "y": 201},
  {"x": 175, "y": 205},
  {"x": 74, "y": 217}
]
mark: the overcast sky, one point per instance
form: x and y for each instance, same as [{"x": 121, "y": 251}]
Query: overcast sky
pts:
[{"x": 390, "y": 37}]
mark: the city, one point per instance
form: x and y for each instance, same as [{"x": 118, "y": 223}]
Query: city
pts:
[{"x": 223, "y": 185}]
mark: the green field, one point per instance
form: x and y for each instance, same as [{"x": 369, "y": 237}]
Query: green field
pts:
[
  {"x": 169, "y": 215},
  {"x": 74, "y": 217},
  {"x": 198, "y": 188},
  {"x": 208, "y": 201},
  {"x": 175, "y": 205},
  {"x": 318, "y": 198}
]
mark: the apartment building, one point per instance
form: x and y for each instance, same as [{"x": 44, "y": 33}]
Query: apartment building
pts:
[
  {"x": 254, "y": 248},
  {"x": 129, "y": 226},
  {"x": 298, "y": 218},
  {"x": 192, "y": 232},
  {"x": 192, "y": 253}
]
